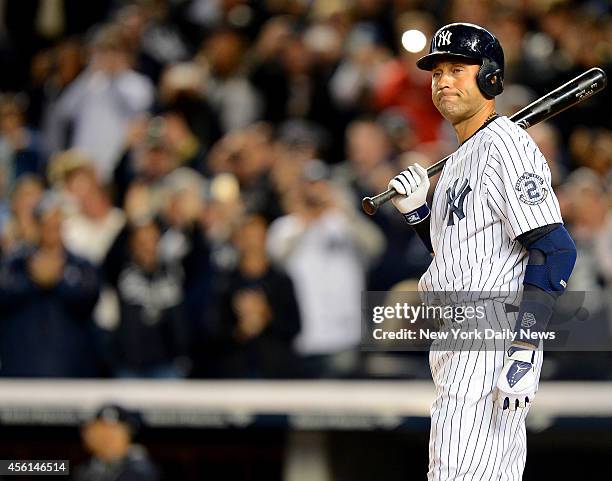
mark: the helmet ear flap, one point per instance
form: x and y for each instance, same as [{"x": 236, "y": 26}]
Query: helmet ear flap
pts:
[{"x": 490, "y": 80}]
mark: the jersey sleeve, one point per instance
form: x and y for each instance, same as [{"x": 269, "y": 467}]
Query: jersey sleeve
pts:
[{"x": 517, "y": 183}]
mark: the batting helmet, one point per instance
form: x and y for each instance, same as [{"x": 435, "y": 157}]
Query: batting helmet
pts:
[{"x": 470, "y": 41}]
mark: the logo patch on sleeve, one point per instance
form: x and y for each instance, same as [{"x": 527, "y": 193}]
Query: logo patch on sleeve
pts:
[
  {"x": 528, "y": 320},
  {"x": 414, "y": 217},
  {"x": 530, "y": 188}
]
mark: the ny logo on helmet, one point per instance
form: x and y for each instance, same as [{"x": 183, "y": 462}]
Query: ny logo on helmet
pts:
[
  {"x": 455, "y": 200},
  {"x": 444, "y": 38}
]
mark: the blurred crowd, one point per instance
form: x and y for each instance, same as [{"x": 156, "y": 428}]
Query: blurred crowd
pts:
[{"x": 180, "y": 180}]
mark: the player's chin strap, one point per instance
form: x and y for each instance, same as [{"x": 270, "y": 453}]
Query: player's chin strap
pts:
[{"x": 552, "y": 255}]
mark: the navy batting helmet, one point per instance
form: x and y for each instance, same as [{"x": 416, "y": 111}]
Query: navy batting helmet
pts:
[{"x": 469, "y": 41}]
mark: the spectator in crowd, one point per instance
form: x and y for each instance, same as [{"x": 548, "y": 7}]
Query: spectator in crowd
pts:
[
  {"x": 267, "y": 73},
  {"x": 353, "y": 82},
  {"x": 592, "y": 148},
  {"x": 368, "y": 150},
  {"x": 148, "y": 158},
  {"x": 94, "y": 223},
  {"x": 587, "y": 206},
  {"x": 228, "y": 88},
  {"x": 257, "y": 313},
  {"x": 47, "y": 295},
  {"x": 20, "y": 146},
  {"x": 184, "y": 240},
  {"x": 99, "y": 104},
  {"x": 221, "y": 217},
  {"x": 109, "y": 437},
  {"x": 151, "y": 339},
  {"x": 18, "y": 225},
  {"x": 294, "y": 85},
  {"x": 152, "y": 39},
  {"x": 247, "y": 155},
  {"x": 325, "y": 249},
  {"x": 52, "y": 71},
  {"x": 192, "y": 122}
]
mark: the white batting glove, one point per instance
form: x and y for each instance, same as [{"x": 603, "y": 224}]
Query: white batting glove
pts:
[
  {"x": 518, "y": 381},
  {"x": 412, "y": 184}
]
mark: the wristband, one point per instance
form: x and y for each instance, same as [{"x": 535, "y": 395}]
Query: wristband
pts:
[
  {"x": 417, "y": 215},
  {"x": 534, "y": 314}
]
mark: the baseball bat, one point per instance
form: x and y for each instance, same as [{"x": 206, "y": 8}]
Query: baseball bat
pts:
[{"x": 569, "y": 94}]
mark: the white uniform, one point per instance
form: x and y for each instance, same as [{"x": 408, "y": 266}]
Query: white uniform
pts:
[{"x": 495, "y": 187}]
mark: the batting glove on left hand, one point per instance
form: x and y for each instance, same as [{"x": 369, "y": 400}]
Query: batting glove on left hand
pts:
[
  {"x": 412, "y": 184},
  {"x": 517, "y": 384}
]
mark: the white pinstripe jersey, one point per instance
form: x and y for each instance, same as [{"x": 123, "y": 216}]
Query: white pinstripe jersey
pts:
[{"x": 495, "y": 187}]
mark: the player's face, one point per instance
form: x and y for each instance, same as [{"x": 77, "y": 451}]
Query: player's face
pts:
[{"x": 454, "y": 90}]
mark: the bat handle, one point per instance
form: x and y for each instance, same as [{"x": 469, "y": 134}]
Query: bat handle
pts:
[{"x": 371, "y": 204}]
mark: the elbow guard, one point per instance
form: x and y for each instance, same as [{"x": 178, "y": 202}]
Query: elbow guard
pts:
[{"x": 551, "y": 261}]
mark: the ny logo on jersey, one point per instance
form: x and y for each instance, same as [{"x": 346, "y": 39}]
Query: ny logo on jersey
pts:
[
  {"x": 455, "y": 199},
  {"x": 444, "y": 38}
]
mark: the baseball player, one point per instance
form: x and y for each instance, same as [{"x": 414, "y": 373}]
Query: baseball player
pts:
[{"x": 494, "y": 225}]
